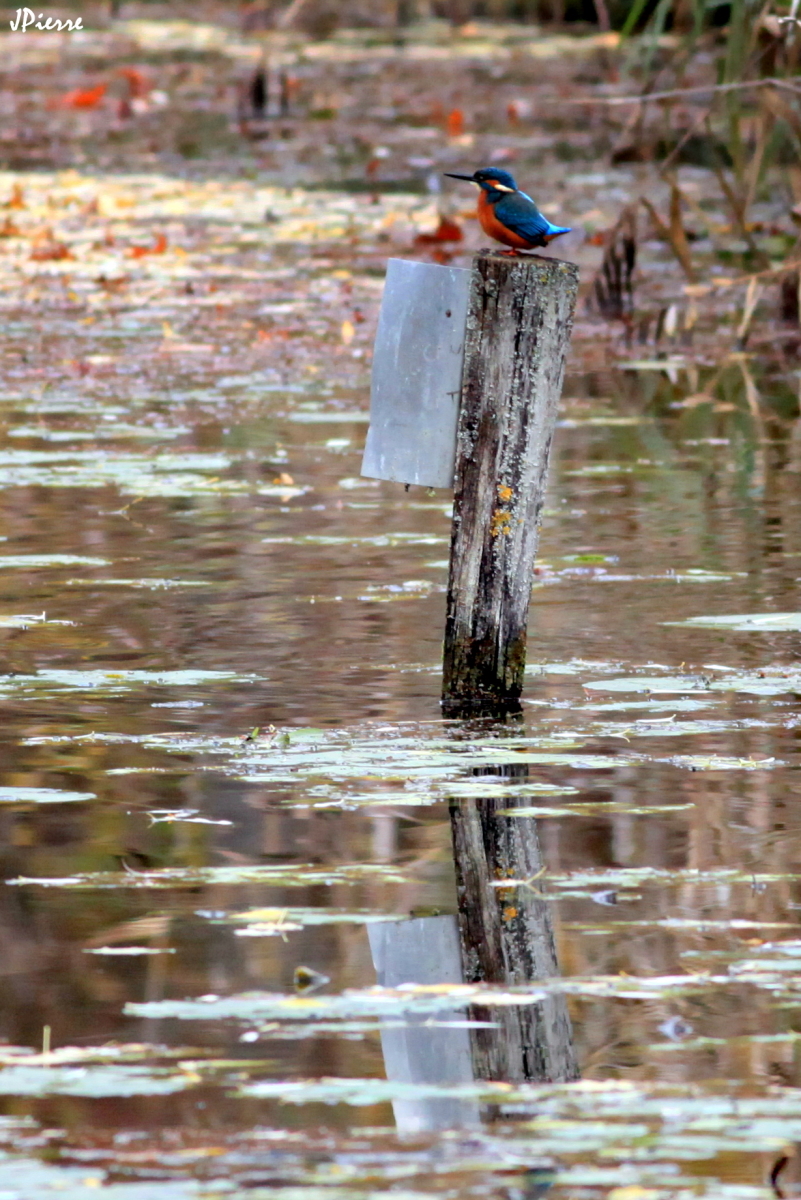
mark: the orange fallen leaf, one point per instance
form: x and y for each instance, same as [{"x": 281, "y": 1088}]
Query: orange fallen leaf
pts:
[
  {"x": 158, "y": 247},
  {"x": 446, "y": 231},
  {"x": 137, "y": 81},
  {"x": 455, "y": 123},
  {"x": 50, "y": 251},
  {"x": 84, "y": 97},
  {"x": 17, "y": 197},
  {"x": 267, "y": 335},
  {"x": 285, "y": 479},
  {"x": 9, "y": 229}
]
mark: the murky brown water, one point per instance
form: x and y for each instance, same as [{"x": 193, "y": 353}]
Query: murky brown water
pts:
[{"x": 324, "y": 610}]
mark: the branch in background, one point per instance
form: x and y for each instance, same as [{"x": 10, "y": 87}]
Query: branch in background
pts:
[
  {"x": 678, "y": 236},
  {"x": 737, "y": 206},
  {"x": 602, "y": 16},
  {"x": 286, "y": 18},
  {"x": 751, "y": 182},
  {"x": 682, "y": 142},
  {"x": 791, "y": 25},
  {"x": 673, "y": 232},
  {"x": 703, "y": 289},
  {"x": 678, "y": 93},
  {"x": 752, "y": 295},
  {"x": 780, "y": 109}
]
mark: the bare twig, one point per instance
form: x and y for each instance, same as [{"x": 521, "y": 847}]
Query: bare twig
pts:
[
  {"x": 791, "y": 264},
  {"x": 753, "y": 292},
  {"x": 663, "y": 166},
  {"x": 677, "y": 93},
  {"x": 285, "y": 19},
  {"x": 791, "y": 25},
  {"x": 736, "y": 204},
  {"x": 759, "y": 470},
  {"x": 765, "y": 129},
  {"x": 673, "y": 232},
  {"x": 602, "y": 16}
]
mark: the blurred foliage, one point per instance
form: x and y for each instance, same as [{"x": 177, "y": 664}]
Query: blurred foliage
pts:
[
  {"x": 349, "y": 13},
  {"x": 718, "y": 90}
]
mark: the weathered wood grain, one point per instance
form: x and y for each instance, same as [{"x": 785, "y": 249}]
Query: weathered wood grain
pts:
[
  {"x": 518, "y": 328},
  {"x": 507, "y": 938}
]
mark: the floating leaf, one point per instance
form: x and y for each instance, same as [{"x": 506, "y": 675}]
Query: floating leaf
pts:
[
  {"x": 42, "y": 795},
  {"x": 299, "y": 875},
  {"x": 748, "y": 622}
]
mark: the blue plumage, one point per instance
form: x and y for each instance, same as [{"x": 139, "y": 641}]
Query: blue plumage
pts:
[
  {"x": 518, "y": 213},
  {"x": 509, "y": 215}
]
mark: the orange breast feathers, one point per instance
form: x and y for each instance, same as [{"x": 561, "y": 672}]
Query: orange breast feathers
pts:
[{"x": 491, "y": 225}]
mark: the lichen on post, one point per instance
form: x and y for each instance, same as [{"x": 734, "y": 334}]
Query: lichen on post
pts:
[{"x": 519, "y": 321}]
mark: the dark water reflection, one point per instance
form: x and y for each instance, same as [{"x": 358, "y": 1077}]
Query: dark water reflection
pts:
[{"x": 323, "y": 602}]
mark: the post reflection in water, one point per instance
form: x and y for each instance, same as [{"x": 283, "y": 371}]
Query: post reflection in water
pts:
[
  {"x": 425, "y": 950},
  {"x": 500, "y": 937},
  {"x": 507, "y": 938}
]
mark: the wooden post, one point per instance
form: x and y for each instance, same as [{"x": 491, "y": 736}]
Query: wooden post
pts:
[
  {"x": 507, "y": 938},
  {"x": 519, "y": 320}
]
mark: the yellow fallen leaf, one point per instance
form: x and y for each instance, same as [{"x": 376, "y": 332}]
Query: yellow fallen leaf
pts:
[
  {"x": 695, "y": 399},
  {"x": 632, "y": 1191},
  {"x": 697, "y": 289},
  {"x": 348, "y": 331}
]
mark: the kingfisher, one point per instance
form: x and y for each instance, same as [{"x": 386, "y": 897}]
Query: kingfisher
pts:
[{"x": 509, "y": 215}]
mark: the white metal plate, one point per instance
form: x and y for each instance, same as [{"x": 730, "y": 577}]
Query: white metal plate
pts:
[{"x": 417, "y": 374}]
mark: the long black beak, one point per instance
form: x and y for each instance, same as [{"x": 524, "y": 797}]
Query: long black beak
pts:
[{"x": 450, "y": 175}]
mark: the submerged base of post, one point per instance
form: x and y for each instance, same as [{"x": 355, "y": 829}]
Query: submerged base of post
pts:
[{"x": 519, "y": 320}]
